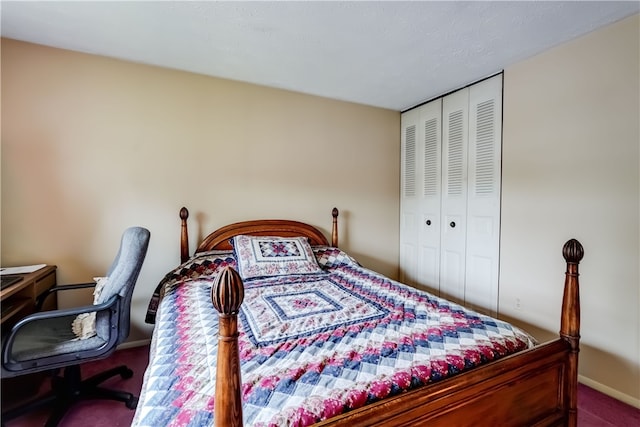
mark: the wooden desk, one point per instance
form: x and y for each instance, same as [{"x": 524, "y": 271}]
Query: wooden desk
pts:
[{"x": 19, "y": 299}]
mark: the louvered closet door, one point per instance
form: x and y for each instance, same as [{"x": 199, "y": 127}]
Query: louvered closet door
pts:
[
  {"x": 483, "y": 198},
  {"x": 455, "y": 113},
  {"x": 450, "y": 203},
  {"x": 420, "y": 203},
  {"x": 430, "y": 143},
  {"x": 409, "y": 202}
]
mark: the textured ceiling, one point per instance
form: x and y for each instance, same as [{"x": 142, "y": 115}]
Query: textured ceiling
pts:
[{"x": 387, "y": 54}]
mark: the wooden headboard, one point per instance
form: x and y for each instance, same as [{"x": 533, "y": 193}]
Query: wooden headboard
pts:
[{"x": 219, "y": 239}]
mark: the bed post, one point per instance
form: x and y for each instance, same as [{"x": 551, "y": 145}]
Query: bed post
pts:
[
  {"x": 227, "y": 293},
  {"x": 184, "y": 235},
  {"x": 334, "y": 228},
  {"x": 570, "y": 324}
]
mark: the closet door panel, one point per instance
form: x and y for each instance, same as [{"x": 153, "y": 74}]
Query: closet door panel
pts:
[
  {"x": 452, "y": 276},
  {"x": 455, "y": 113},
  {"x": 409, "y": 201},
  {"x": 430, "y": 120},
  {"x": 408, "y": 251},
  {"x": 483, "y": 198},
  {"x": 481, "y": 272}
]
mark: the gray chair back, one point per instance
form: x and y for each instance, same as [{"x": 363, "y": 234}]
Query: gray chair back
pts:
[{"x": 122, "y": 277}]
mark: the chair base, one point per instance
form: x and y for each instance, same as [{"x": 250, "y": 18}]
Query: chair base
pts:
[{"x": 70, "y": 388}]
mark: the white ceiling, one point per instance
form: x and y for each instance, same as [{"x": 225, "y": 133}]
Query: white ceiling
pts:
[{"x": 390, "y": 54}]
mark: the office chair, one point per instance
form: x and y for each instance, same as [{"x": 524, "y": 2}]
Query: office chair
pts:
[{"x": 45, "y": 341}]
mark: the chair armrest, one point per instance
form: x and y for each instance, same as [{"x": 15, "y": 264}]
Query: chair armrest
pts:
[
  {"x": 10, "y": 369},
  {"x": 7, "y": 345},
  {"x": 42, "y": 297},
  {"x": 67, "y": 312}
]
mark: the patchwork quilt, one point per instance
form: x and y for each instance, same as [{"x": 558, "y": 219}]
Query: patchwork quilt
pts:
[{"x": 311, "y": 345}]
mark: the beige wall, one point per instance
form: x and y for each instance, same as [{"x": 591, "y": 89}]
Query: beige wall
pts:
[
  {"x": 92, "y": 145},
  {"x": 570, "y": 169}
]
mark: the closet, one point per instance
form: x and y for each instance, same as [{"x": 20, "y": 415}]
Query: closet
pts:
[{"x": 450, "y": 195}]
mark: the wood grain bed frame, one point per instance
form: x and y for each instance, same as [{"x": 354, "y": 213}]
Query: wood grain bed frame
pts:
[{"x": 535, "y": 387}]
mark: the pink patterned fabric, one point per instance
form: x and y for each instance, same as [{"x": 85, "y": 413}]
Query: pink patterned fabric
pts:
[
  {"x": 299, "y": 375},
  {"x": 260, "y": 256}
]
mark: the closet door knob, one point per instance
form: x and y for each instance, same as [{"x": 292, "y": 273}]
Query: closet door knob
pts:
[
  {"x": 428, "y": 222},
  {"x": 452, "y": 224}
]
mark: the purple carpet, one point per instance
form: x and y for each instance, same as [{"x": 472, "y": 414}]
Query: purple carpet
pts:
[
  {"x": 95, "y": 413},
  {"x": 594, "y": 409},
  {"x": 599, "y": 410}
]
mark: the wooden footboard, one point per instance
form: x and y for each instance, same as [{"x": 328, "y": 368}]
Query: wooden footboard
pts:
[
  {"x": 521, "y": 390},
  {"x": 535, "y": 387}
]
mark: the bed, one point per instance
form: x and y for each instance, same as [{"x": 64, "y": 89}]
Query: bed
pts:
[{"x": 259, "y": 345}]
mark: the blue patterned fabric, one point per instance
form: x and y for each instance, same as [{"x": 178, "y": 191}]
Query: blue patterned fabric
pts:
[
  {"x": 302, "y": 307},
  {"x": 311, "y": 346}
]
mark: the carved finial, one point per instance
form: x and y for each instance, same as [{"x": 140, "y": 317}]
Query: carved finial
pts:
[
  {"x": 334, "y": 228},
  {"x": 573, "y": 251},
  {"x": 227, "y": 291},
  {"x": 184, "y": 213}
]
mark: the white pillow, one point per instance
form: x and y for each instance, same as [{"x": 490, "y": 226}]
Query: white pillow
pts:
[{"x": 84, "y": 325}]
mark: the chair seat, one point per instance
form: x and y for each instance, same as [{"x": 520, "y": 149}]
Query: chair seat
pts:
[{"x": 50, "y": 337}]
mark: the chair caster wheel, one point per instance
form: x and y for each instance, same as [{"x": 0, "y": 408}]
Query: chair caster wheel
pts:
[
  {"x": 126, "y": 374},
  {"x": 132, "y": 403}
]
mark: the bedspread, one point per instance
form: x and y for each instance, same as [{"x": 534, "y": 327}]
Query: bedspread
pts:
[{"x": 311, "y": 346}]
